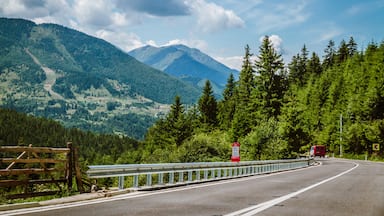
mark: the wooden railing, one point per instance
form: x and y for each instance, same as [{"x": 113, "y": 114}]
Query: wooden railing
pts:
[{"x": 28, "y": 167}]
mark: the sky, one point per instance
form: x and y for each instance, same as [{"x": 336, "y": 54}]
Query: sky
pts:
[{"x": 219, "y": 28}]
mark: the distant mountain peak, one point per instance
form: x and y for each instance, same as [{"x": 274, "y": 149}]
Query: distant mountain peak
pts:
[{"x": 189, "y": 64}]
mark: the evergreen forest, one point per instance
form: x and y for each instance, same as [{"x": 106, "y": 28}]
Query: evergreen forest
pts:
[{"x": 275, "y": 110}]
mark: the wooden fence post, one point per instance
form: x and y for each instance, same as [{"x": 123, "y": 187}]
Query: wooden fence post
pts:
[
  {"x": 69, "y": 166},
  {"x": 79, "y": 182}
]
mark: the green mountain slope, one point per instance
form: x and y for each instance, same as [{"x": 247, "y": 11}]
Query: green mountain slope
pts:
[{"x": 53, "y": 71}]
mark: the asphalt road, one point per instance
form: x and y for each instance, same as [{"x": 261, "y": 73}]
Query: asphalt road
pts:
[{"x": 336, "y": 187}]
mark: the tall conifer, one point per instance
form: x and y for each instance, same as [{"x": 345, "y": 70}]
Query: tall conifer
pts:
[
  {"x": 241, "y": 121},
  {"x": 329, "y": 55},
  {"x": 271, "y": 81},
  {"x": 227, "y": 105},
  {"x": 208, "y": 106}
]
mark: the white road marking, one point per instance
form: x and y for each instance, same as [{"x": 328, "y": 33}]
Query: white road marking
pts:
[
  {"x": 253, "y": 210},
  {"x": 139, "y": 194}
]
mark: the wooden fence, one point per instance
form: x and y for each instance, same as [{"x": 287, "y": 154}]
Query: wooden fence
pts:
[{"x": 36, "y": 169}]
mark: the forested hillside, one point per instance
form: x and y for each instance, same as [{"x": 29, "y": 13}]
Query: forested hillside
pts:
[
  {"x": 21, "y": 129},
  {"x": 52, "y": 71},
  {"x": 279, "y": 112}
]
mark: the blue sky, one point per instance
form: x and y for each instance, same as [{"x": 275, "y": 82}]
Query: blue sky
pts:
[{"x": 220, "y": 28}]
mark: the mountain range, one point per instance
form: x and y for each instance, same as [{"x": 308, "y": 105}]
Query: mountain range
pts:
[
  {"x": 188, "y": 64},
  {"x": 82, "y": 81},
  {"x": 85, "y": 82}
]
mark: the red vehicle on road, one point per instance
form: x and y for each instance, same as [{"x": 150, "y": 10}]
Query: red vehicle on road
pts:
[{"x": 317, "y": 150}]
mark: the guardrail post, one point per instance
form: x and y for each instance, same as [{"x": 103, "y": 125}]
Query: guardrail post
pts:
[
  {"x": 205, "y": 174},
  {"x": 136, "y": 181},
  {"x": 197, "y": 175},
  {"x": 181, "y": 176},
  {"x": 213, "y": 173},
  {"x": 160, "y": 178},
  {"x": 121, "y": 182},
  {"x": 190, "y": 172},
  {"x": 149, "y": 180},
  {"x": 171, "y": 177}
]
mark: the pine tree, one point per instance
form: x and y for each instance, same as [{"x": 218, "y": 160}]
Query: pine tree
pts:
[
  {"x": 228, "y": 105},
  {"x": 294, "y": 70},
  {"x": 343, "y": 52},
  {"x": 298, "y": 68},
  {"x": 246, "y": 79},
  {"x": 271, "y": 82},
  {"x": 314, "y": 65},
  {"x": 178, "y": 128},
  {"x": 170, "y": 132},
  {"x": 241, "y": 124},
  {"x": 329, "y": 55},
  {"x": 303, "y": 61},
  {"x": 229, "y": 91},
  {"x": 176, "y": 111},
  {"x": 208, "y": 106},
  {"x": 352, "y": 47}
]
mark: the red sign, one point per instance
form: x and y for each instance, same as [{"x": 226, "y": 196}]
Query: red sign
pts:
[{"x": 235, "y": 152}]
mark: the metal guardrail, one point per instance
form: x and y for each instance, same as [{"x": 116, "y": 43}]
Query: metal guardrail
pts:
[{"x": 188, "y": 173}]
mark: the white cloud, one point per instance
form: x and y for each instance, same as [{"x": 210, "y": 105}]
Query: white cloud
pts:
[
  {"x": 49, "y": 10},
  {"x": 156, "y": 8},
  {"x": 11, "y": 7},
  {"x": 151, "y": 43},
  {"x": 354, "y": 10},
  {"x": 364, "y": 7},
  {"x": 93, "y": 12},
  {"x": 199, "y": 44},
  {"x": 125, "y": 41},
  {"x": 277, "y": 42},
  {"x": 329, "y": 34},
  {"x": 234, "y": 62},
  {"x": 119, "y": 19},
  {"x": 212, "y": 17},
  {"x": 272, "y": 17},
  {"x": 326, "y": 31}
]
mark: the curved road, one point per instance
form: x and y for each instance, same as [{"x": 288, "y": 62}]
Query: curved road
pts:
[{"x": 336, "y": 187}]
